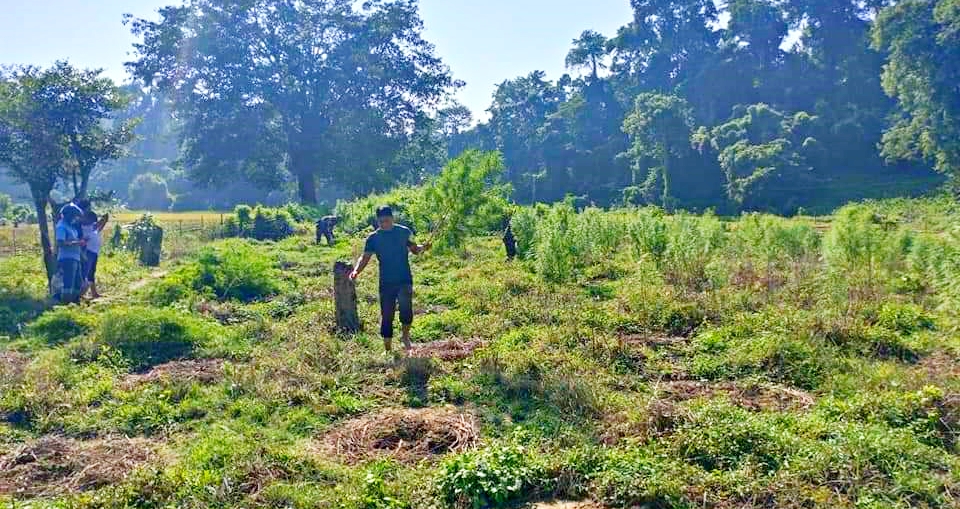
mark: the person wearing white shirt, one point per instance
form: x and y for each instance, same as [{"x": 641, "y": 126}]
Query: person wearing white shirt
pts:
[{"x": 93, "y": 234}]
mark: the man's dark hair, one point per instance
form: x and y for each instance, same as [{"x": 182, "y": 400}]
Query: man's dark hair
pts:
[{"x": 384, "y": 211}]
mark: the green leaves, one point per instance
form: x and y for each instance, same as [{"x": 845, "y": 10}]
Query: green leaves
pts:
[
  {"x": 317, "y": 89},
  {"x": 921, "y": 73}
]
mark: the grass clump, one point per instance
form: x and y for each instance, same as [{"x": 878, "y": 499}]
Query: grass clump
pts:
[
  {"x": 150, "y": 336},
  {"x": 777, "y": 348},
  {"x": 640, "y": 477},
  {"x": 231, "y": 270},
  {"x": 720, "y": 436},
  {"x": 62, "y": 324}
]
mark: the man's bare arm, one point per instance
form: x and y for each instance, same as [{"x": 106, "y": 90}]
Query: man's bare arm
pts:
[
  {"x": 361, "y": 264},
  {"x": 418, "y": 248}
]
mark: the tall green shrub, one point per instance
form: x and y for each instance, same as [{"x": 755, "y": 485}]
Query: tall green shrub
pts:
[
  {"x": 466, "y": 198},
  {"x": 648, "y": 234},
  {"x": 556, "y": 255},
  {"x": 524, "y": 225},
  {"x": 272, "y": 224},
  {"x": 861, "y": 247},
  {"x": 692, "y": 244}
]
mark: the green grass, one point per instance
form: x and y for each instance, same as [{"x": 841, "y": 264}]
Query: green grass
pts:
[{"x": 633, "y": 365}]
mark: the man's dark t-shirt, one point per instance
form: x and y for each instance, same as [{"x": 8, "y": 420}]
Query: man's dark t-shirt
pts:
[{"x": 392, "y": 250}]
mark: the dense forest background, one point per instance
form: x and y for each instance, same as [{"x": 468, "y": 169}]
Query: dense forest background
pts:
[{"x": 740, "y": 105}]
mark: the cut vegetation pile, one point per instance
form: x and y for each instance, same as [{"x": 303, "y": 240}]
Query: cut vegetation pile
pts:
[
  {"x": 202, "y": 371},
  {"x": 768, "y": 397},
  {"x": 447, "y": 350},
  {"x": 404, "y": 435},
  {"x": 53, "y": 466}
]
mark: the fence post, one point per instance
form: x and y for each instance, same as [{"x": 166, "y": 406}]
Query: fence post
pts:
[
  {"x": 201, "y": 223},
  {"x": 221, "y": 227},
  {"x": 180, "y": 228},
  {"x": 14, "y": 241}
]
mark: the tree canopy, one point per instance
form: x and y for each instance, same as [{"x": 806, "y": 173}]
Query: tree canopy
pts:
[
  {"x": 58, "y": 124},
  {"x": 313, "y": 90}
]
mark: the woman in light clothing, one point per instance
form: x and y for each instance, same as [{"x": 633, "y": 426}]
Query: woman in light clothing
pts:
[{"x": 93, "y": 234}]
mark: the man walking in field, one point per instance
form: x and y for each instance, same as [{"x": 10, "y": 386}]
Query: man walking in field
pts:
[{"x": 392, "y": 243}]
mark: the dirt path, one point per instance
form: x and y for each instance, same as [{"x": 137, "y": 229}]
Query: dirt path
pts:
[
  {"x": 132, "y": 287},
  {"x": 136, "y": 285}
]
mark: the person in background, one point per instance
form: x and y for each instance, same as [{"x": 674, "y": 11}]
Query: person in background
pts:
[
  {"x": 510, "y": 242},
  {"x": 93, "y": 236},
  {"x": 392, "y": 243},
  {"x": 69, "y": 248},
  {"x": 325, "y": 229}
]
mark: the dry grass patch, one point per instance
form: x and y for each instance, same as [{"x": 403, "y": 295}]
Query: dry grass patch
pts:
[
  {"x": 446, "y": 350},
  {"x": 203, "y": 371},
  {"x": 405, "y": 435},
  {"x": 54, "y": 466},
  {"x": 663, "y": 412},
  {"x": 757, "y": 397},
  {"x": 12, "y": 365},
  {"x": 654, "y": 341},
  {"x": 566, "y": 505},
  {"x": 432, "y": 309},
  {"x": 940, "y": 368}
]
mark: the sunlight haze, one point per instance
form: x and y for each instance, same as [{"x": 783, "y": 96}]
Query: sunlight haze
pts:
[{"x": 483, "y": 42}]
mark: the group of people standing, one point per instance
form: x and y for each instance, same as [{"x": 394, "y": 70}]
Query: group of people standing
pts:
[{"x": 79, "y": 235}]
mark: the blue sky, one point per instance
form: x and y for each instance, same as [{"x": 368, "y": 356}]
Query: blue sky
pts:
[{"x": 483, "y": 41}]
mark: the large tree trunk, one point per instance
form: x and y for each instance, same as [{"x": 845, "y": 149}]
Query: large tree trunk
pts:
[
  {"x": 345, "y": 298},
  {"x": 306, "y": 188},
  {"x": 49, "y": 260},
  {"x": 84, "y": 183},
  {"x": 301, "y": 168}
]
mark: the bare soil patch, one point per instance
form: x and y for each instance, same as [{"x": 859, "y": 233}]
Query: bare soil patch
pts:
[
  {"x": 750, "y": 396},
  {"x": 53, "y": 466},
  {"x": 405, "y": 435},
  {"x": 939, "y": 367},
  {"x": 136, "y": 285},
  {"x": 446, "y": 350},
  {"x": 654, "y": 341},
  {"x": 12, "y": 365},
  {"x": 566, "y": 505},
  {"x": 664, "y": 412},
  {"x": 204, "y": 371},
  {"x": 432, "y": 309}
]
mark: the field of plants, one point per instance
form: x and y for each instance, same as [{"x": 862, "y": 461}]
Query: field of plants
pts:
[
  {"x": 628, "y": 358},
  {"x": 182, "y": 231}
]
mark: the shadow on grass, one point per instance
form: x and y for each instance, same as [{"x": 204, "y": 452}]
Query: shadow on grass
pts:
[{"x": 18, "y": 307}]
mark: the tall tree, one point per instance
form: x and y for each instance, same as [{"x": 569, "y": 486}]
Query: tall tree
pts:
[
  {"x": 33, "y": 148},
  {"x": 588, "y": 52},
  {"x": 520, "y": 108},
  {"x": 84, "y": 107},
  {"x": 265, "y": 86},
  {"x": 659, "y": 127},
  {"x": 923, "y": 74}
]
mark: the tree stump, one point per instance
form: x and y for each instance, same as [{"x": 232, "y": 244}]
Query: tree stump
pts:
[
  {"x": 345, "y": 298},
  {"x": 150, "y": 250}
]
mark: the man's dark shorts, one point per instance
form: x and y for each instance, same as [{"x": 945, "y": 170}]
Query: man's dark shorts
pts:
[
  {"x": 70, "y": 270},
  {"x": 90, "y": 268},
  {"x": 391, "y": 297}
]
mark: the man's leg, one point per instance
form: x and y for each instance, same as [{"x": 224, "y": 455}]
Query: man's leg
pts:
[
  {"x": 329, "y": 236},
  {"x": 388, "y": 307},
  {"x": 406, "y": 312},
  {"x": 71, "y": 289},
  {"x": 92, "y": 275}
]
